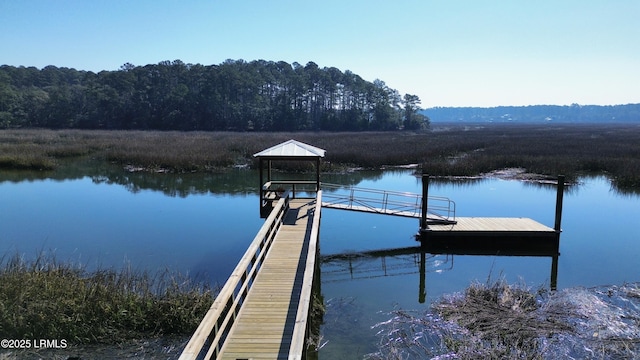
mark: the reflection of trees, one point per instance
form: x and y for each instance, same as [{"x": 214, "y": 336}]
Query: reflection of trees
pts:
[
  {"x": 574, "y": 188},
  {"x": 456, "y": 182},
  {"x": 569, "y": 188},
  {"x": 352, "y": 177},
  {"x": 233, "y": 181},
  {"x": 230, "y": 181}
]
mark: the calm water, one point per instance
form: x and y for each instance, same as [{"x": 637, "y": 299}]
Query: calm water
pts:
[{"x": 201, "y": 224}]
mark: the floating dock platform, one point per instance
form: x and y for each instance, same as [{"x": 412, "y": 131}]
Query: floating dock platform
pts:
[{"x": 491, "y": 235}]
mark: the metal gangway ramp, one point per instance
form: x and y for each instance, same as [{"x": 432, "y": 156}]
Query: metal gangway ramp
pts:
[
  {"x": 262, "y": 310},
  {"x": 441, "y": 210}
]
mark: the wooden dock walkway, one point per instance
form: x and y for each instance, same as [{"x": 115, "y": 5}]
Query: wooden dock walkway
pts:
[
  {"x": 264, "y": 326},
  {"x": 271, "y": 319}
]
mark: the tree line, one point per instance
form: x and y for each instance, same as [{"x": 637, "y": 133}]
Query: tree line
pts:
[{"x": 234, "y": 95}]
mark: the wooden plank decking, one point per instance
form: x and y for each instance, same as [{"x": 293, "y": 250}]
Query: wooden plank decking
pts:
[
  {"x": 491, "y": 235},
  {"x": 495, "y": 226},
  {"x": 264, "y": 326}
]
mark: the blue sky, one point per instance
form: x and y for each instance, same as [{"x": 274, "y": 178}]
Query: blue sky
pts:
[{"x": 448, "y": 52}]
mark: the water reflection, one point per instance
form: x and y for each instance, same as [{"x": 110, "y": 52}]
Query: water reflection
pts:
[
  {"x": 244, "y": 181},
  {"x": 226, "y": 181},
  {"x": 381, "y": 263},
  {"x": 420, "y": 260},
  {"x": 471, "y": 182}
]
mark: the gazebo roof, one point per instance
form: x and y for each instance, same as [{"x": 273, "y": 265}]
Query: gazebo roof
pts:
[{"x": 292, "y": 148}]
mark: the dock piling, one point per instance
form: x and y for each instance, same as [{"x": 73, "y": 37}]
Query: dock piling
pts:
[
  {"x": 425, "y": 197},
  {"x": 559, "y": 196}
]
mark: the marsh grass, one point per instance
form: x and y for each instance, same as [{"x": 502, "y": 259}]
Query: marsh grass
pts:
[
  {"x": 47, "y": 299},
  {"x": 496, "y": 320},
  {"x": 453, "y": 150},
  {"x": 43, "y": 149},
  {"x": 503, "y": 315}
]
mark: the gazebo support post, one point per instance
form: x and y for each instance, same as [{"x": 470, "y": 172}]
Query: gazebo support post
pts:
[
  {"x": 317, "y": 174},
  {"x": 261, "y": 191}
]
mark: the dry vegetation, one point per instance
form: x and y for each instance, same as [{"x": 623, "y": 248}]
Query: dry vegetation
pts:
[
  {"x": 445, "y": 151},
  {"x": 47, "y": 299},
  {"x": 502, "y": 321}
]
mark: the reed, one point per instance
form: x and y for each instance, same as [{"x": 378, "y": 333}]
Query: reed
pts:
[
  {"x": 452, "y": 150},
  {"x": 48, "y": 299},
  {"x": 496, "y": 320}
]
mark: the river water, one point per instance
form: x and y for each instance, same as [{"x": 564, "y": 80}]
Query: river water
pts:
[{"x": 200, "y": 224}]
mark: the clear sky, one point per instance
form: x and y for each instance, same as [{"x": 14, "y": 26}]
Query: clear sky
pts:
[{"x": 448, "y": 52}]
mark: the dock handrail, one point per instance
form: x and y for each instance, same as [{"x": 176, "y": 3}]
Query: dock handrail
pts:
[
  {"x": 388, "y": 202},
  {"x": 302, "y": 185},
  {"x": 301, "y": 327},
  {"x": 214, "y": 327}
]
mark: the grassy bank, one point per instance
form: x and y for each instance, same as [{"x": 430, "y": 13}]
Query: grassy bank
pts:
[
  {"x": 46, "y": 299},
  {"x": 454, "y": 150}
]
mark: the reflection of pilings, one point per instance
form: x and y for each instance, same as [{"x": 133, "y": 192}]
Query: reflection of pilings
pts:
[
  {"x": 399, "y": 261},
  {"x": 371, "y": 253},
  {"x": 552, "y": 253},
  {"x": 489, "y": 251},
  {"x": 422, "y": 289},
  {"x": 554, "y": 273},
  {"x": 350, "y": 258},
  {"x": 382, "y": 263}
]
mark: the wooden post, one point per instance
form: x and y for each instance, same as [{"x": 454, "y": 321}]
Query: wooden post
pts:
[
  {"x": 261, "y": 194},
  {"x": 317, "y": 174},
  {"x": 425, "y": 196},
  {"x": 559, "y": 196}
]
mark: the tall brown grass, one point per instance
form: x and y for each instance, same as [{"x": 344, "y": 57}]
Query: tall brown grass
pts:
[
  {"x": 454, "y": 150},
  {"x": 48, "y": 299},
  {"x": 497, "y": 320}
]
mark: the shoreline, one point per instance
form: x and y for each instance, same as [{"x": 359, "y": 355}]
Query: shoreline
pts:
[{"x": 458, "y": 153}]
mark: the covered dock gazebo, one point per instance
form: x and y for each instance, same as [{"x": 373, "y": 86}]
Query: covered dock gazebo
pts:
[{"x": 290, "y": 150}]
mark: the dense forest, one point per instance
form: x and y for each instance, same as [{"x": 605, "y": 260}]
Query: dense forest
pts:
[
  {"x": 235, "y": 95},
  {"x": 573, "y": 113}
]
